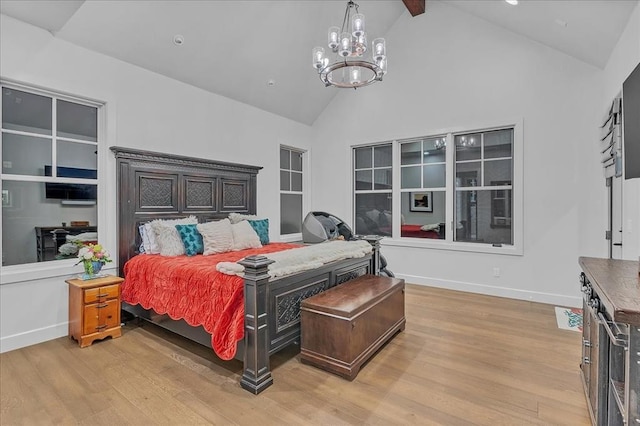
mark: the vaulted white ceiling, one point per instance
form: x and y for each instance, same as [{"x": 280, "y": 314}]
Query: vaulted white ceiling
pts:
[{"x": 235, "y": 48}]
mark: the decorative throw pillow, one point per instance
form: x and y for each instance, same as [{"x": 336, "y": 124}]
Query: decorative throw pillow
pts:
[
  {"x": 149, "y": 240},
  {"x": 216, "y": 236},
  {"x": 191, "y": 239},
  {"x": 167, "y": 235},
  {"x": 262, "y": 229},
  {"x": 142, "y": 232},
  {"x": 237, "y": 217},
  {"x": 244, "y": 236}
]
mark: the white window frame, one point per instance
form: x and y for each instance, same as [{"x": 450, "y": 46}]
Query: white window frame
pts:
[
  {"x": 41, "y": 270},
  {"x": 448, "y": 243},
  {"x": 373, "y": 168},
  {"x": 305, "y": 190}
]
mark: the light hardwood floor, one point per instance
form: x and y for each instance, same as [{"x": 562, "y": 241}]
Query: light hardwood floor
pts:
[{"x": 463, "y": 359}]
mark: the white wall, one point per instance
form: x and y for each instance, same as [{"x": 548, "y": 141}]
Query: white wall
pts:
[
  {"x": 623, "y": 60},
  {"x": 447, "y": 70},
  {"x": 143, "y": 110}
]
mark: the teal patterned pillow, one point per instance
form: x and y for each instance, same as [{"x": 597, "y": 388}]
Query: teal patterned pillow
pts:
[
  {"x": 191, "y": 239},
  {"x": 262, "y": 229}
]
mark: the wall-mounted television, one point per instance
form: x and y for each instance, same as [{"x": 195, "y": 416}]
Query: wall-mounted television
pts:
[{"x": 71, "y": 191}]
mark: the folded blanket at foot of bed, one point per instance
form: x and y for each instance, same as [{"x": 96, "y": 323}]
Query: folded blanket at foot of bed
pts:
[{"x": 304, "y": 258}]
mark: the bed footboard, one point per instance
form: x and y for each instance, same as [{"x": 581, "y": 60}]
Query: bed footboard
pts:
[{"x": 272, "y": 308}]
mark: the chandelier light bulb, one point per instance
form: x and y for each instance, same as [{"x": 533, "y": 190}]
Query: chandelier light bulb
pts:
[
  {"x": 345, "y": 44},
  {"x": 379, "y": 49},
  {"x": 355, "y": 75},
  {"x": 382, "y": 63},
  {"x": 318, "y": 58},
  {"x": 334, "y": 33},
  {"x": 357, "y": 25}
]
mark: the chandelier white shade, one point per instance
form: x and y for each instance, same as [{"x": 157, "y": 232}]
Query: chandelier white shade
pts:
[{"x": 348, "y": 46}]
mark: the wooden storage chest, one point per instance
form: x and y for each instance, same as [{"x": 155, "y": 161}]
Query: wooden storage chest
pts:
[{"x": 344, "y": 326}]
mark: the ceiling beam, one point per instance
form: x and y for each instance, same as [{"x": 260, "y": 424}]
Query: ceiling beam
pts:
[{"x": 415, "y": 7}]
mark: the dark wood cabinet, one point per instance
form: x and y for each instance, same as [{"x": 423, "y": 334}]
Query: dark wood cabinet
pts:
[{"x": 49, "y": 238}]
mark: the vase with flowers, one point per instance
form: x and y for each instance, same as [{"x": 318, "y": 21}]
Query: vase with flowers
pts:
[{"x": 93, "y": 257}]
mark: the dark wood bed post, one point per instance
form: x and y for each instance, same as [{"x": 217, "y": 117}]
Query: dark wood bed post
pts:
[
  {"x": 374, "y": 240},
  {"x": 256, "y": 376}
]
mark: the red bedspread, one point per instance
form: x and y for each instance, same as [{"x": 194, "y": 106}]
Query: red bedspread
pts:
[
  {"x": 415, "y": 231},
  {"x": 190, "y": 288}
]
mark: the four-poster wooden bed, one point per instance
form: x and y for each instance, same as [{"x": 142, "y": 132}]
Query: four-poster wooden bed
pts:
[{"x": 154, "y": 185}]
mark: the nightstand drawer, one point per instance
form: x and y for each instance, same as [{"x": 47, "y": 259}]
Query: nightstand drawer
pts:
[
  {"x": 101, "y": 316},
  {"x": 101, "y": 293}
]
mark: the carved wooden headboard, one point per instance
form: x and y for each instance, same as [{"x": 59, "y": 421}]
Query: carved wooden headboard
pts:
[{"x": 154, "y": 185}]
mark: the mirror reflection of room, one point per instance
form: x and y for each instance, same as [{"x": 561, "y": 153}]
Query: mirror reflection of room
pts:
[{"x": 49, "y": 186}]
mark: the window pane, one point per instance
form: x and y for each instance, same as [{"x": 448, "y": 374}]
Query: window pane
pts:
[
  {"x": 477, "y": 217},
  {"x": 434, "y": 176},
  {"x": 296, "y": 181},
  {"x": 421, "y": 224},
  {"x": 285, "y": 181},
  {"x": 498, "y": 143},
  {"x": 383, "y": 156},
  {"x": 26, "y": 112},
  {"x": 77, "y": 155},
  {"x": 25, "y": 155},
  {"x": 497, "y": 171},
  {"x": 434, "y": 150},
  {"x": 290, "y": 213},
  {"x": 285, "y": 162},
  {"x": 467, "y": 147},
  {"x": 77, "y": 121},
  {"x": 410, "y": 177},
  {"x": 373, "y": 214},
  {"x": 296, "y": 161},
  {"x": 25, "y": 206},
  {"x": 468, "y": 174},
  {"x": 382, "y": 179},
  {"x": 363, "y": 158},
  {"x": 410, "y": 153},
  {"x": 363, "y": 180}
]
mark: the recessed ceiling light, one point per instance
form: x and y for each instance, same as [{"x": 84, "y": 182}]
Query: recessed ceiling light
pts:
[
  {"x": 271, "y": 83},
  {"x": 178, "y": 40},
  {"x": 512, "y": 2}
]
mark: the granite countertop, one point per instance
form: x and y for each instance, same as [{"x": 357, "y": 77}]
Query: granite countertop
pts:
[{"x": 617, "y": 283}]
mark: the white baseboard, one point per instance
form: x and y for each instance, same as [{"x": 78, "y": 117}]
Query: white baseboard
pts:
[
  {"x": 511, "y": 293},
  {"x": 33, "y": 337}
]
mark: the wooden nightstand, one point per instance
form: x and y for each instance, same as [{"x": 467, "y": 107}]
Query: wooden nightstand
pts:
[{"x": 94, "y": 309}]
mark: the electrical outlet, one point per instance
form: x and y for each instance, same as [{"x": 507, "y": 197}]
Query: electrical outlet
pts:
[
  {"x": 7, "y": 164},
  {"x": 496, "y": 272}
]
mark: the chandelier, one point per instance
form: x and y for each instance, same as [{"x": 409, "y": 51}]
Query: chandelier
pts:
[{"x": 349, "y": 68}]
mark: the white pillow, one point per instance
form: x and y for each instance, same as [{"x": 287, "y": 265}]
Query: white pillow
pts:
[
  {"x": 244, "y": 236},
  {"x": 237, "y": 217},
  {"x": 167, "y": 236},
  {"x": 149, "y": 240},
  {"x": 216, "y": 236}
]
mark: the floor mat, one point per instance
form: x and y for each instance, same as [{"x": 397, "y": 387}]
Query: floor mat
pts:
[{"x": 569, "y": 318}]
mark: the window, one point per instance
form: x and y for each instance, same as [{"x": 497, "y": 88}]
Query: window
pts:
[
  {"x": 373, "y": 177},
  {"x": 461, "y": 198},
  {"x": 291, "y": 191},
  {"x": 483, "y": 185},
  {"x": 49, "y": 174},
  {"x": 423, "y": 165}
]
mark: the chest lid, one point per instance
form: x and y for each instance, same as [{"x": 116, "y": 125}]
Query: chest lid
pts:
[{"x": 353, "y": 297}]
